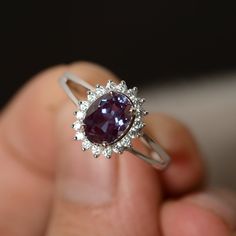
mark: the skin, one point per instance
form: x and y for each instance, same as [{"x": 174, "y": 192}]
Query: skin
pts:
[{"x": 48, "y": 186}]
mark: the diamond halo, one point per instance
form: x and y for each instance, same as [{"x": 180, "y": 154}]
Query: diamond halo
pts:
[{"x": 125, "y": 141}]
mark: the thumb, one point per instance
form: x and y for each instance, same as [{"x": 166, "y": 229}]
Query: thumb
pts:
[{"x": 119, "y": 196}]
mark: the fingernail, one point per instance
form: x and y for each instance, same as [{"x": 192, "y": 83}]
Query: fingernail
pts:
[
  {"x": 81, "y": 178},
  {"x": 220, "y": 202}
]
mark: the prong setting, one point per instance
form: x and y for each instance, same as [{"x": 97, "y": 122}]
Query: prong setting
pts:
[
  {"x": 104, "y": 144},
  {"x": 123, "y": 143}
]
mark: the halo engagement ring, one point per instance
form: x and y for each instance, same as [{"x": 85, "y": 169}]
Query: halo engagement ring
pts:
[{"x": 110, "y": 118}]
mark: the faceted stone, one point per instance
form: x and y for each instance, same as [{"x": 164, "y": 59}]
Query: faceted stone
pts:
[
  {"x": 108, "y": 118},
  {"x": 107, "y": 152},
  {"x": 86, "y": 144},
  {"x": 83, "y": 105},
  {"x": 79, "y": 115}
]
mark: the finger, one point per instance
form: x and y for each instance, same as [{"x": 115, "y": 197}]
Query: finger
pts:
[
  {"x": 186, "y": 171},
  {"x": 119, "y": 196},
  {"x": 28, "y": 150},
  {"x": 206, "y": 213}
]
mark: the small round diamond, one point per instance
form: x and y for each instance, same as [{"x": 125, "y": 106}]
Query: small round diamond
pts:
[
  {"x": 138, "y": 124},
  {"x": 91, "y": 96},
  {"x": 133, "y": 91},
  {"x": 122, "y": 87},
  {"x": 84, "y": 105},
  {"x": 76, "y": 125},
  {"x": 107, "y": 152},
  {"x": 133, "y": 133},
  {"x": 86, "y": 144},
  {"x": 126, "y": 142},
  {"x": 80, "y": 115},
  {"x": 100, "y": 90},
  {"x": 118, "y": 148},
  {"x": 96, "y": 150},
  {"x": 79, "y": 136},
  {"x": 111, "y": 85}
]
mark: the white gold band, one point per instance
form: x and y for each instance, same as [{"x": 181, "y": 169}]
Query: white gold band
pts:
[{"x": 158, "y": 158}]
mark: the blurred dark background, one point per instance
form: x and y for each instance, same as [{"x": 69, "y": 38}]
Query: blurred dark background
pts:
[{"x": 143, "y": 42}]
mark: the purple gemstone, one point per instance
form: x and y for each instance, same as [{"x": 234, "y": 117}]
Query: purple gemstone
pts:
[{"x": 108, "y": 118}]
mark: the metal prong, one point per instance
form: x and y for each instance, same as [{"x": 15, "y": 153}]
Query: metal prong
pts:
[
  {"x": 82, "y": 127},
  {"x": 108, "y": 157},
  {"x": 111, "y": 93},
  {"x": 83, "y": 149},
  {"x": 98, "y": 86},
  {"x": 75, "y": 138},
  {"x": 123, "y": 82},
  {"x": 135, "y": 89},
  {"x": 145, "y": 113},
  {"x": 72, "y": 126},
  {"x": 75, "y": 113},
  {"x": 95, "y": 155},
  {"x": 110, "y": 81},
  {"x": 132, "y": 110},
  {"x": 142, "y": 100},
  {"x": 104, "y": 144},
  {"x": 89, "y": 92},
  {"x": 138, "y": 135}
]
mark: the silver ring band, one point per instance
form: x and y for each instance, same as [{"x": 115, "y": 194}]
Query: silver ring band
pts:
[{"x": 158, "y": 158}]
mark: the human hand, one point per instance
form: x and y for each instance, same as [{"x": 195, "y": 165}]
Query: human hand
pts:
[{"x": 48, "y": 186}]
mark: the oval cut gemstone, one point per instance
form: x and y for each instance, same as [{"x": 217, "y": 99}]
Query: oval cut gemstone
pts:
[{"x": 108, "y": 118}]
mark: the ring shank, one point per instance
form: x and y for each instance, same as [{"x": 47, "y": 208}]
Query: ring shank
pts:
[
  {"x": 64, "y": 82},
  {"x": 158, "y": 158}
]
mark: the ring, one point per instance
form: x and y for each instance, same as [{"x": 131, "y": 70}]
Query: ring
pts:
[{"x": 109, "y": 119}]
